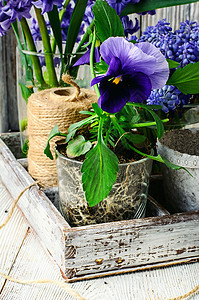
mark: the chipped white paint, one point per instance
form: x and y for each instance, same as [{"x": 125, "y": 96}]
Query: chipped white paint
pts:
[
  {"x": 115, "y": 247},
  {"x": 50, "y": 224},
  {"x": 32, "y": 262}
]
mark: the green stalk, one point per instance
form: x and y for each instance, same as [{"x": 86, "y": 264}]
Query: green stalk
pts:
[
  {"x": 92, "y": 63},
  {"x": 16, "y": 32},
  {"x": 35, "y": 59},
  {"x": 148, "y": 124},
  {"x": 85, "y": 37},
  {"x": 47, "y": 49}
]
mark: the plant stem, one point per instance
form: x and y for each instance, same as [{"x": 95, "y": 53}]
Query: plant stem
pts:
[
  {"x": 92, "y": 63},
  {"x": 47, "y": 49},
  {"x": 148, "y": 124},
  {"x": 35, "y": 59}
]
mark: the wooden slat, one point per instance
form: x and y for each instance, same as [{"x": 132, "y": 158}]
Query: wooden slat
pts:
[
  {"x": 134, "y": 243},
  {"x": 33, "y": 263},
  {"x": 11, "y": 236},
  {"x": 43, "y": 217},
  {"x": 8, "y": 92}
]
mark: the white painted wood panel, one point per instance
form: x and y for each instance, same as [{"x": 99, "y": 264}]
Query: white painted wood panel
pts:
[
  {"x": 50, "y": 224},
  {"x": 11, "y": 236}
]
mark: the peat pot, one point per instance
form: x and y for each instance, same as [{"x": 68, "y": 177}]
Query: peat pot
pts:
[
  {"x": 127, "y": 200},
  {"x": 181, "y": 147}
]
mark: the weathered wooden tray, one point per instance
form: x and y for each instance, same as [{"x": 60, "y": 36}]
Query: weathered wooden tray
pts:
[{"x": 104, "y": 249}]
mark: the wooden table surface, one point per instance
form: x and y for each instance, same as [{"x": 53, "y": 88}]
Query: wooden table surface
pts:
[{"x": 23, "y": 257}]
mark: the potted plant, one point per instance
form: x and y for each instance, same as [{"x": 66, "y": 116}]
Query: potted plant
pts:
[
  {"x": 178, "y": 146},
  {"x": 116, "y": 126}
]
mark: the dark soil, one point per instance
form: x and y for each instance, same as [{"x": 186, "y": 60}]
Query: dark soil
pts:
[
  {"x": 183, "y": 141},
  {"x": 123, "y": 155}
]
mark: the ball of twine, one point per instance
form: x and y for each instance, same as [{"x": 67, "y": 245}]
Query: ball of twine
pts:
[{"x": 47, "y": 108}]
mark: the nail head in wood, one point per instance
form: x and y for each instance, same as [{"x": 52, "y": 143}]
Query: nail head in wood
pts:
[
  {"x": 99, "y": 261},
  {"x": 119, "y": 260}
]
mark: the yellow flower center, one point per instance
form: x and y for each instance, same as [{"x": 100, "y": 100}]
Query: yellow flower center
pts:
[{"x": 117, "y": 80}]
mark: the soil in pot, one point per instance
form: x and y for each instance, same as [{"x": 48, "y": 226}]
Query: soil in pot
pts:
[
  {"x": 183, "y": 141},
  {"x": 127, "y": 200},
  {"x": 181, "y": 147}
]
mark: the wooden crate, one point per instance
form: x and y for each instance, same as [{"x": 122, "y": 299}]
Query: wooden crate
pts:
[{"x": 104, "y": 249}]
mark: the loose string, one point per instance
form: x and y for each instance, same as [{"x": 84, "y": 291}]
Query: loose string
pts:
[
  {"x": 63, "y": 285},
  {"x": 15, "y": 204},
  {"x": 191, "y": 293}
]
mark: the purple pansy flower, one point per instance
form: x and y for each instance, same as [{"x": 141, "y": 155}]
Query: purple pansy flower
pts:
[
  {"x": 134, "y": 70},
  {"x": 46, "y": 5},
  {"x": 85, "y": 58}
]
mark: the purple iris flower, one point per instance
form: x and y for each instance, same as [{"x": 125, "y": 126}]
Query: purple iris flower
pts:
[
  {"x": 129, "y": 27},
  {"x": 46, "y": 5},
  {"x": 134, "y": 70}
]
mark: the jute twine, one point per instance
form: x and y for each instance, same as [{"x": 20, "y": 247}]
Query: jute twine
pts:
[{"x": 47, "y": 108}]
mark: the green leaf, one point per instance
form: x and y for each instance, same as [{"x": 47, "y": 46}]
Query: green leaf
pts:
[
  {"x": 54, "y": 132},
  {"x": 25, "y": 148},
  {"x": 75, "y": 23},
  {"x": 135, "y": 119},
  {"x": 172, "y": 63},
  {"x": 159, "y": 124},
  {"x": 107, "y": 22},
  {"x": 23, "y": 124},
  {"x": 173, "y": 166},
  {"x": 85, "y": 112},
  {"x": 81, "y": 123},
  {"x": 53, "y": 16},
  {"x": 145, "y": 5},
  {"x": 186, "y": 79},
  {"x": 26, "y": 91},
  {"x": 97, "y": 109},
  {"x": 99, "y": 173},
  {"x": 136, "y": 138},
  {"x": 78, "y": 146},
  {"x": 101, "y": 67}
]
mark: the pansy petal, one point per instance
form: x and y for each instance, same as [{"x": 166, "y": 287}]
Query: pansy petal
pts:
[
  {"x": 84, "y": 59},
  {"x": 96, "y": 80},
  {"x": 115, "y": 67},
  {"x": 139, "y": 87},
  {"x": 161, "y": 74},
  {"x": 132, "y": 58},
  {"x": 113, "y": 97}
]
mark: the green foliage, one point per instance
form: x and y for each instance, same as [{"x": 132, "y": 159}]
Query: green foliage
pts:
[
  {"x": 75, "y": 24},
  {"x": 186, "y": 79},
  {"x": 101, "y": 67},
  {"x": 26, "y": 91},
  {"x": 25, "y": 148},
  {"x": 145, "y": 5},
  {"x": 54, "y": 132},
  {"x": 159, "y": 124},
  {"x": 78, "y": 146},
  {"x": 172, "y": 63},
  {"x": 53, "y": 16},
  {"x": 107, "y": 22},
  {"x": 99, "y": 173},
  {"x": 23, "y": 124}
]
